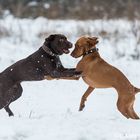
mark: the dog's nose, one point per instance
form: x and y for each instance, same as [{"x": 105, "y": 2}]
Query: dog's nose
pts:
[
  {"x": 72, "y": 54},
  {"x": 70, "y": 45}
]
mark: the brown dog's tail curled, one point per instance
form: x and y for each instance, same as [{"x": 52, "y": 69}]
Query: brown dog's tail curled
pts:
[{"x": 137, "y": 90}]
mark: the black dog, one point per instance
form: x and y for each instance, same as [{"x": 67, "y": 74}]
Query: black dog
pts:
[{"x": 44, "y": 62}]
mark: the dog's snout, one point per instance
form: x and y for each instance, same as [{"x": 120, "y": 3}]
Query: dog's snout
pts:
[
  {"x": 70, "y": 44},
  {"x": 73, "y": 54}
]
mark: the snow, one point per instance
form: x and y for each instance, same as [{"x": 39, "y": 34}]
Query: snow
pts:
[
  {"x": 49, "y": 109},
  {"x": 46, "y": 5},
  {"x": 33, "y": 3}
]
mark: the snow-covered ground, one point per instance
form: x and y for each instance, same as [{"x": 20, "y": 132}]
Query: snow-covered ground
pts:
[{"x": 48, "y": 110}]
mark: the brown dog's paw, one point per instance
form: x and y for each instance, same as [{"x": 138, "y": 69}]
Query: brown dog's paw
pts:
[
  {"x": 75, "y": 77},
  {"x": 48, "y": 77},
  {"x": 81, "y": 107}
]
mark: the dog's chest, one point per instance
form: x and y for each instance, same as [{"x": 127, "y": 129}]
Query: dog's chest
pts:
[
  {"x": 88, "y": 81},
  {"x": 49, "y": 63}
]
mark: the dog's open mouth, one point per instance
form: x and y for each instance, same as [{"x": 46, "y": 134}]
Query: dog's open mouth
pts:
[{"x": 66, "y": 51}]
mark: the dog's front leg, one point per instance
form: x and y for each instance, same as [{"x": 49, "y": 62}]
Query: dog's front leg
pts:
[
  {"x": 69, "y": 74},
  {"x": 84, "y": 98},
  {"x": 76, "y": 76}
]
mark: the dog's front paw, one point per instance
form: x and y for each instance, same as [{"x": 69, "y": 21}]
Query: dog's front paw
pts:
[
  {"x": 78, "y": 74},
  {"x": 48, "y": 77},
  {"x": 81, "y": 107}
]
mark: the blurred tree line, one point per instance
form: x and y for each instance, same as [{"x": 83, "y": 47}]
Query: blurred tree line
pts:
[{"x": 77, "y": 9}]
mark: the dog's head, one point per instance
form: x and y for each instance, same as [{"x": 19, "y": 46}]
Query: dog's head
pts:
[
  {"x": 58, "y": 44},
  {"x": 83, "y": 45}
]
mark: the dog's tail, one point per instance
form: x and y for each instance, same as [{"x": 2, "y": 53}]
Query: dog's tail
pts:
[{"x": 136, "y": 90}]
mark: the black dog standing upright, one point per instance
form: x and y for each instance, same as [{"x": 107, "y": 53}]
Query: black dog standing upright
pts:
[{"x": 43, "y": 62}]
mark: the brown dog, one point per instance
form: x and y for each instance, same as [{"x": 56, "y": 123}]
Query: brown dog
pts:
[{"x": 99, "y": 74}]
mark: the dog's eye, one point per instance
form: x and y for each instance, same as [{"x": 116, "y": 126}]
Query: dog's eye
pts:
[{"x": 76, "y": 45}]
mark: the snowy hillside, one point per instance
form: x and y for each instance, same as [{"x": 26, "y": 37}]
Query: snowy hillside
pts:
[{"x": 48, "y": 110}]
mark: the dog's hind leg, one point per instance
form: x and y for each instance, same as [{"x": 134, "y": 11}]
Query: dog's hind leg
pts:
[
  {"x": 132, "y": 113},
  {"x": 122, "y": 108},
  {"x": 84, "y": 97},
  {"x": 13, "y": 94},
  {"x": 130, "y": 110},
  {"x": 8, "y": 110}
]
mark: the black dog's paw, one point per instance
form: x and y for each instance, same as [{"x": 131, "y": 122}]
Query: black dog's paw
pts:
[
  {"x": 11, "y": 114},
  {"x": 78, "y": 74}
]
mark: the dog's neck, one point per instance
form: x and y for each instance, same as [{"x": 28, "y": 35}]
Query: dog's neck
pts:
[
  {"x": 91, "y": 51},
  {"x": 48, "y": 51}
]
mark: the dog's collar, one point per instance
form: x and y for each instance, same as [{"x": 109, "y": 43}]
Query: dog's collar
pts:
[
  {"x": 48, "y": 51},
  {"x": 91, "y": 51}
]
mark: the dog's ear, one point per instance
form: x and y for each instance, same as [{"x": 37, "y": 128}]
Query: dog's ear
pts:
[
  {"x": 93, "y": 40},
  {"x": 49, "y": 39}
]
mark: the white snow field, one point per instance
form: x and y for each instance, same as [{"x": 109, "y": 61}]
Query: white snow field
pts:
[{"x": 48, "y": 110}]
